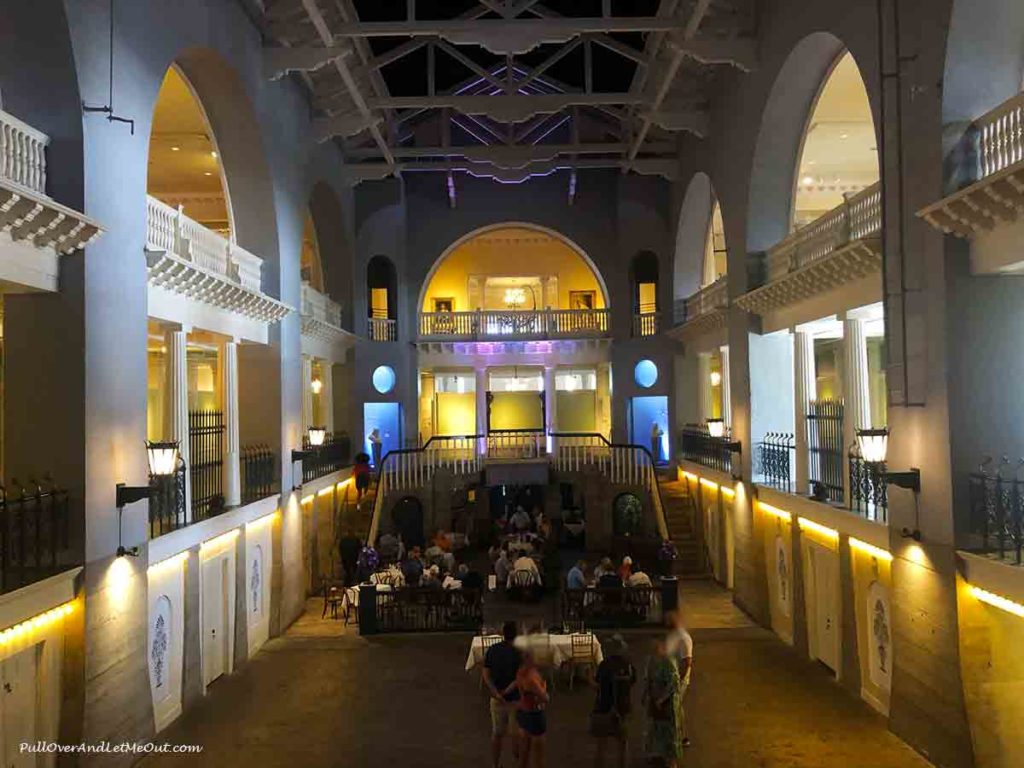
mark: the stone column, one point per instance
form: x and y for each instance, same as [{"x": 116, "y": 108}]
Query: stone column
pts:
[
  {"x": 232, "y": 469},
  {"x": 327, "y": 396},
  {"x": 805, "y": 390},
  {"x": 481, "y": 408},
  {"x": 550, "y": 406},
  {"x": 856, "y": 409},
  {"x": 307, "y": 394},
  {"x": 726, "y": 388},
  {"x": 704, "y": 387},
  {"x": 176, "y": 422}
]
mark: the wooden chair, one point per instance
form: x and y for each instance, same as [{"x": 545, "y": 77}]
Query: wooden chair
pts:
[
  {"x": 334, "y": 594},
  {"x": 524, "y": 584},
  {"x": 582, "y": 655}
]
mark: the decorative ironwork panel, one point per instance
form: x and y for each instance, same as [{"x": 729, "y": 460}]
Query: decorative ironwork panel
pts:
[
  {"x": 997, "y": 511},
  {"x": 259, "y": 473},
  {"x": 773, "y": 460},
  {"x": 34, "y": 533},
  {"x": 206, "y": 452},
  {"x": 697, "y": 445},
  {"x": 869, "y": 496},
  {"x": 825, "y": 446}
]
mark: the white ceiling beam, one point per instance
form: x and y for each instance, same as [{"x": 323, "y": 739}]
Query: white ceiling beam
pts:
[
  {"x": 278, "y": 62},
  {"x": 467, "y": 62},
  {"x": 549, "y": 62},
  {"x": 513, "y": 108},
  {"x": 346, "y": 76},
  {"x": 516, "y": 154}
]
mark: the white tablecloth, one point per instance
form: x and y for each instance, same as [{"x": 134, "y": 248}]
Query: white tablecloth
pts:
[
  {"x": 561, "y": 649},
  {"x": 351, "y": 597}
]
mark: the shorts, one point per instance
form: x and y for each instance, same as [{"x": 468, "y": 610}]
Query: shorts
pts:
[
  {"x": 533, "y": 721},
  {"x": 362, "y": 482},
  {"x": 502, "y": 713}
]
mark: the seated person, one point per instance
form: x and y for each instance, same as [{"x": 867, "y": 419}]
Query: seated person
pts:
[
  {"x": 521, "y": 520},
  {"x": 576, "y": 578},
  {"x": 412, "y": 568},
  {"x": 610, "y": 580},
  {"x": 626, "y": 569},
  {"x": 502, "y": 566},
  {"x": 431, "y": 577},
  {"x": 524, "y": 563},
  {"x": 638, "y": 579},
  {"x": 470, "y": 578},
  {"x": 442, "y": 541},
  {"x": 437, "y": 556},
  {"x": 603, "y": 567}
]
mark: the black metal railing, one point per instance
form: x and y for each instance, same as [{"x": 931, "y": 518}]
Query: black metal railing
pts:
[
  {"x": 697, "y": 445},
  {"x": 869, "y": 495},
  {"x": 825, "y": 447},
  {"x": 34, "y": 533},
  {"x": 334, "y": 454},
  {"x": 206, "y": 457},
  {"x": 425, "y": 609},
  {"x": 773, "y": 461},
  {"x": 606, "y": 607},
  {"x": 167, "y": 503},
  {"x": 997, "y": 512},
  {"x": 258, "y": 466}
]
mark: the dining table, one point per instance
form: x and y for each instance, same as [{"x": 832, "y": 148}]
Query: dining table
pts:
[{"x": 549, "y": 649}]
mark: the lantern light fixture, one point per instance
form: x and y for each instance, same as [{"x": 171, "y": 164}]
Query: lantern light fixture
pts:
[
  {"x": 873, "y": 444},
  {"x": 317, "y": 436},
  {"x": 716, "y": 427},
  {"x": 163, "y": 458},
  {"x": 317, "y": 386},
  {"x": 716, "y": 378}
]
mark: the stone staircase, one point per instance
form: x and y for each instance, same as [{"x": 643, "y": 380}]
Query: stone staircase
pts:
[{"x": 680, "y": 512}]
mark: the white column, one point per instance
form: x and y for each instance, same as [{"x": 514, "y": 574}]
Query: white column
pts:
[
  {"x": 176, "y": 423},
  {"x": 857, "y": 409},
  {"x": 327, "y": 396},
  {"x": 550, "y": 406},
  {"x": 707, "y": 410},
  {"x": 726, "y": 388},
  {"x": 804, "y": 390},
  {"x": 232, "y": 470},
  {"x": 307, "y": 394},
  {"x": 481, "y": 408}
]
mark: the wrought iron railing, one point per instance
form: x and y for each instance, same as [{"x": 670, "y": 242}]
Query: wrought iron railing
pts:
[
  {"x": 696, "y": 444},
  {"x": 869, "y": 495},
  {"x": 773, "y": 461},
  {"x": 167, "y": 503},
  {"x": 34, "y": 533},
  {"x": 335, "y": 453},
  {"x": 425, "y": 609},
  {"x": 258, "y": 466},
  {"x": 607, "y": 607},
  {"x": 996, "y": 520},
  {"x": 206, "y": 457},
  {"x": 825, "y": 447}
]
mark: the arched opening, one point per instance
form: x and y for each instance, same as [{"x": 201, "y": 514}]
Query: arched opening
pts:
[
  {"x": 715, "y": 254},
  {"x": 643, "y": 277},
  {"x": 333, "y": 255},
  {"x": 310, "y": 266},
  {"x": 700, "y": 256},
  {"x": 382, "y": 298},
  {"x": 839, "y": 155}
]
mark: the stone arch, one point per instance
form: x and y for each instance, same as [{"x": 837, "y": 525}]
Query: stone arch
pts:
[
  {"x": 690, "y": 271},
  {"x": 513, "y": 225},
  {"x": 335, "y": 253},
  {"x": 780, "y": 140},
  {"x": 234, "y": 127}
]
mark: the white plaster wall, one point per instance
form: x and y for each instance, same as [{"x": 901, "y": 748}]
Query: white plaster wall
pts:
[
  {"x": 258, "y": 570},
  {"x": 166, "y": 638}
]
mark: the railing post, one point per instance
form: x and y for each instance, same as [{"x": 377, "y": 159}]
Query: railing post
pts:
[{"x": 232, "y": 468}]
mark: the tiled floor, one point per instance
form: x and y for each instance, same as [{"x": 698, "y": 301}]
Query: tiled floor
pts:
[{"x": 323, "y": 696}]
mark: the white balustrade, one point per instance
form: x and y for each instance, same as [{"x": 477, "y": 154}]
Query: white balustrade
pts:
[
  {"x": 860, "y": 216},
  {"x": 707, "y": 299},
  {"x": 1002, "y": 136},
  {"x": 169, "y": 229},
  {"x": 516, "y": 444},
  {"x": 496, "y": 323},
  {"x": 645, "y": 324},
  {"x": 319, "y": 306},
  {"x": 382, "y": 329},
  {"x": 22, "y": 153}
]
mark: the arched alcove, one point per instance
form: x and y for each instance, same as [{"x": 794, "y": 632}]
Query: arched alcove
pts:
[
  {"x": 545, "y": 267},
  {"x": 781, "y": 137},
  {"x": 700, "y": 257},
  {"x": 327, "y": 232}
]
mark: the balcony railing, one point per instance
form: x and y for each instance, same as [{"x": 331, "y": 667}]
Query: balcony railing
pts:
[
  {"x": 645, "y": 324},
  {"x": 320, "y": 307},
  {"x": 1001, "y": 133},
  {"x": 335, "y": 453},
  {"x": 505, "y": 324},
  {"x": 22, "y": 153},
  {"x": 169, "y": 230},
  {"x": 825, "y": 446},
  {"x": 258, "y": 466},
  {"x": 708, "y": 299},
  {"x": 869, "y": 490},
  {"x": 773, "y": 461},
  {"x": 697, "y": 445},
  {"x": 34, "y": 533},
  {"x": 996, "y": 524},
  {"x": 859, "y": 217},
  {"x": 381, "y": 329}
]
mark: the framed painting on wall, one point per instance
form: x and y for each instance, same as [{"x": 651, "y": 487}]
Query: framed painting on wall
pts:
[{"x": 582, "y": 299}]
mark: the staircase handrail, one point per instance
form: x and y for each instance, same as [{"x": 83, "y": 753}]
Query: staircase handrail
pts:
[{"x": 659, "y": 508}]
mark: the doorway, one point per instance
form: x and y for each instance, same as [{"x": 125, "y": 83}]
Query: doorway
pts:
[
  {"x": 643, "y": 413},
  {"x": 18, "y": 675},
  {"x": 386, "y": 418},
  {"x": 216, "y": 615},
  {"x": 821, "y": 577}
]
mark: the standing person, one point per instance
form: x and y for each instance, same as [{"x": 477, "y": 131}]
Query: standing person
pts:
[
  {"x": 361, "y": 472},
  {"x": 531, "y": 715},
  {"x": 502, "y": 567},
  {"x": 656, "y": 434},
  {"x": 662, "y": 740},
  {"x": 679, "y": 646},
  {"x": 348, "y": 548},
  {"x": 615, "y": 679},
  {"x": 376, "y": 444},
  {"x": 501, "y": 663},
  {"x": 577, "y": 578}
]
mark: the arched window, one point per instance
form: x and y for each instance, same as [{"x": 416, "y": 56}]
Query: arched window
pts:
[
  {"x": 381, "y": 298},
  {"x": 715, "y": 255},
  {"x": 309, "y": 262},
  {"x": 840, "y": 151},
  {"x": 644, "y": 279}
]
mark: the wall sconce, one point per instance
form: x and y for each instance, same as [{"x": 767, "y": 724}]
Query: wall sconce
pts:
[
  {"x": 874, "y": 447},
  {"x": 163, "y": 462},
  {"x": 315, "y": 437},
  {"x": 317, "y": 386},
  {"x": 716, "y": 427}
]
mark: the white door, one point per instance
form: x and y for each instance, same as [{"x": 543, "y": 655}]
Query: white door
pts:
[
  {"x": 826, "y": 582},
  {"x": 215, "y": 613},
  {"x": 18, "y": 707}
]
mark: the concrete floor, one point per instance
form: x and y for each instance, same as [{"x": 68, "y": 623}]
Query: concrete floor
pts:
[{"x": 323, "y": 696}]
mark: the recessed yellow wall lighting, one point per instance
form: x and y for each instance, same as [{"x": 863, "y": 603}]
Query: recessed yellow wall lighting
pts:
[
  {"x": 690, "y": 476},
  {"x": 36, "y": 623},
  {"x": 259, "y": 521},
  {"x": 224, "y": 538},
  {"x": 170, "y": 563},
  {"x": 997, "y": 601},
  {"x": 728, "y": 492},
  {"x": 307, "y": 499},
  {"x": 175, "y": 149},
  {"x": 871, "y": 549},
  {"x": 325, "y": 491},
  {"x": 810, "y": 525},
  {"x": 775, "y": 512},
  {"x": 709, "y": 484}
]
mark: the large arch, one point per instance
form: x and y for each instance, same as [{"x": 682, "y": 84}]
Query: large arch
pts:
[
  {"x": 783, "y": 130},
  {"x": 513, "y": 225},
  {"x": 333, "y": 247},
  {"x": 693, "y": 235}
]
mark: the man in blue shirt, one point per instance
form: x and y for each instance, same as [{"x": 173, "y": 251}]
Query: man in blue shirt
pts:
[
  {"x": 576, "y": 579},
  {"x": 501, "y": 662}
]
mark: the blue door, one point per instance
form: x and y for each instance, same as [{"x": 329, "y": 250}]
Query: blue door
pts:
[
  {"x": 643, "y": 413},
  {"x": 387, "y": 419}
]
